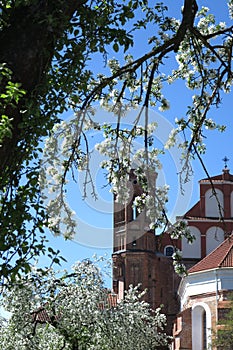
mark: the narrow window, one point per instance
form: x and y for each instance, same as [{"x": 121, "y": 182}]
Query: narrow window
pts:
[
  {"x": 134, "y": 212},
  {"x": 169, "y": 250}
]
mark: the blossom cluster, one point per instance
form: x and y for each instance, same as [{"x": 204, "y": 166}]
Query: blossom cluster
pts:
[
  {"x": 66, "y": 310},
  {"x": 200, "y": 63},
  {"x": 64, "y": 155}
]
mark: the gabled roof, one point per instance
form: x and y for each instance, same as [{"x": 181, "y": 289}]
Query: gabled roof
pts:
[
  {"x": 225, "y": 177},
  {"x": 222, "y": 256},
  {"x": 195, "y": 211}
]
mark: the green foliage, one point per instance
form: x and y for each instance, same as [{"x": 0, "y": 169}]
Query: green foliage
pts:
[
  {"x": 28, "y": 116},
  {"x": 48, "y": 52},
  {"x": 224, "y": 336}
]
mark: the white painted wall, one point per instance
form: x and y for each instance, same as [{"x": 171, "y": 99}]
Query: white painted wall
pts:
[
  {"x": 192, "y": 250},
  {"x": 214, "y": 237},
  {"x": 211, "y": 204},
  {"x": 208, "y": 281}
]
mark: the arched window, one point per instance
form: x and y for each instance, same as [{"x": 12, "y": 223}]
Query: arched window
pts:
[
  {"x": 192, "y": 250},
  {"x": 212, "y": 204},
  {"x": 214, "y": 237},
  {"x": 201, "y": 327},
  {"x": 168, "y": 250}
]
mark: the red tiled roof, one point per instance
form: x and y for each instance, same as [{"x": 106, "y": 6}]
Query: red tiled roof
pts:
[
  {"x": 112, "y": 300},
  {"x": 222, "y": 256},
  {"x": 41, "y": 316}
]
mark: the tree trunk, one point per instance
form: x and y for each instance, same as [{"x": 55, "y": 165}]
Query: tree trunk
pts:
[{"x": 27, "y": 45}]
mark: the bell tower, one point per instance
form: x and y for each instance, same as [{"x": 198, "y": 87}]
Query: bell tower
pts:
[
  {"x": 131, "y": 228},
  {"x": 134, "y": 244},
  {"x": 135, "y": 259}
]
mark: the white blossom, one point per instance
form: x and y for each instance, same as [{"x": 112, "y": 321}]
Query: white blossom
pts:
[{"x": 77, "y": 314}]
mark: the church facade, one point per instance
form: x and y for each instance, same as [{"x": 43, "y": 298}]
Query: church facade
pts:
[
  {"x": 204, "y": 299},
  {"x": 139, "y": 256}
]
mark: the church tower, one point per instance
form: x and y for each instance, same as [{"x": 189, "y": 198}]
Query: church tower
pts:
[
  {"x": 134, "y": 246},
  {"x": 135, "y": 259}
]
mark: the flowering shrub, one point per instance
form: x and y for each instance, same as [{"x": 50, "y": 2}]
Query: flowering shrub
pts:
[{"x": 55, "y": 311}]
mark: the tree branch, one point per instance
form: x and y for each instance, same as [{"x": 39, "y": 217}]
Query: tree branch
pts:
[{"x": 189, "y": 13}]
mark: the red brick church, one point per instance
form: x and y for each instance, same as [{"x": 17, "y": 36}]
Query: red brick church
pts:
[{"x": 194, "y": 304}]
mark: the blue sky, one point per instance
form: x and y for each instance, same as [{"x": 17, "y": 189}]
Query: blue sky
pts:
[{"x": 95, "y": 218}]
